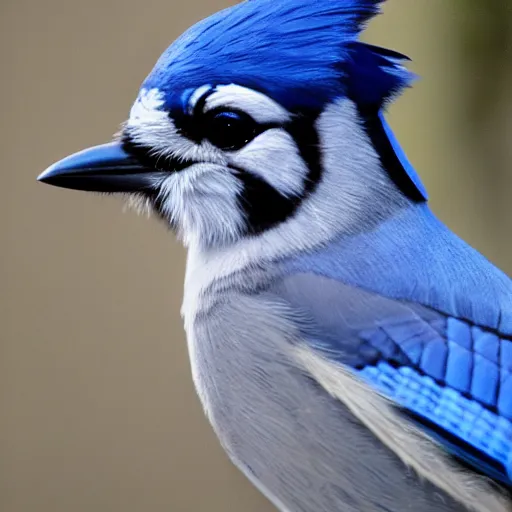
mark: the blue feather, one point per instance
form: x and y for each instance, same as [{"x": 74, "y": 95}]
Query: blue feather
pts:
[
  {"x": 413, "y": 256},
  {"x": 407, "y": 167},
  {"x": 302, "y": 53},
  {"x": 425, "y": 320},
  {"x": 375, "y": 74},
  {"x": 464, "y": 426},
  {"x": 430, "y": 365}
]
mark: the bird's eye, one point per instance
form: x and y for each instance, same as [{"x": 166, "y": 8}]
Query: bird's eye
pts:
[{"x": 227, "y": 129}]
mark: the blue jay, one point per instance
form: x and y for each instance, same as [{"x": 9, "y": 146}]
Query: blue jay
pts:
[{"x": 351, "y": 353}]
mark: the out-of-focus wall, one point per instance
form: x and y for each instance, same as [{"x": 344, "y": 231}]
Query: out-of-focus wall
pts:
[{"x": 97, "y": 409}]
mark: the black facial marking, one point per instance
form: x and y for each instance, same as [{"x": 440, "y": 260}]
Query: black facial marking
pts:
[
  {"x": 264, "y": 206},
  {"x": 303, "y": 131},
  {"x": 390, "y": 162},
  {"x": 146, "y": 156},
  {"x": 226, "y": 128},
  {"x": 186, "y": 123},
  {"x": 167, "y": 164},
  {"x": 230, "y": 129}
]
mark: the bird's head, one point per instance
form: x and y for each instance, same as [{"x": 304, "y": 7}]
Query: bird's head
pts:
[{"x": 266, "y": 114}]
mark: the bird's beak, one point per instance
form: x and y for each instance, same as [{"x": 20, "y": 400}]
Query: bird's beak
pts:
[{"x": 105, "y": 168}]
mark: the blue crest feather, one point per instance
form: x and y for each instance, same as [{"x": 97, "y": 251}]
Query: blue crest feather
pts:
[
  {"x": 375, "y": 74},
  {"x": 303, "y": 53}
]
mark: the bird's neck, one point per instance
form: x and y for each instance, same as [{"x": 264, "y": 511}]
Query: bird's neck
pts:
[{"x": 355, "y": 194}]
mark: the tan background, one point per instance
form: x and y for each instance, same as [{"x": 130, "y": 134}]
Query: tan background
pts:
[{"x": 97, "y": 409}]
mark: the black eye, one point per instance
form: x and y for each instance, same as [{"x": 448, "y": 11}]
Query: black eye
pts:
[{"x": 227, "y": 129}]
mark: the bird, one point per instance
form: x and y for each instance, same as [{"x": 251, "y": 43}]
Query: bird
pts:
[{"x": 350, "y": 351}]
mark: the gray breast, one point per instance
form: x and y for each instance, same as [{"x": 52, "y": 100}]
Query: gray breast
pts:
[{"x": 302, "y": 447}]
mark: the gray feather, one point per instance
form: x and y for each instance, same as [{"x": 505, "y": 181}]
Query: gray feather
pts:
[{"x": 301, "y": 446}]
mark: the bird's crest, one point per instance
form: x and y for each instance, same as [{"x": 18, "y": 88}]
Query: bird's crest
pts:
[{"x": 303, "y": 53}]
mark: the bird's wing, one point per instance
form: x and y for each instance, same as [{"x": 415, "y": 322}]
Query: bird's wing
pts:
[{"x": 452, "y": 377}]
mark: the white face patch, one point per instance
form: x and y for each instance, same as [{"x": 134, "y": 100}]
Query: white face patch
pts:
[
  {"x": 260, "y": 107},
  {"x": 205, "y": 201},
  {"x": 354, "y": 189},
  {"x": 274, "y": 157},
  {"x": 147, "y": 105},
  {"x": 199, "y": 201},
  {"x": 150, "y": 126},
  {"x": 196, "y": 96}
]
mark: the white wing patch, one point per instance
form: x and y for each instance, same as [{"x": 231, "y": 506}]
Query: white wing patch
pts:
[{"x": 413, "y": 447}]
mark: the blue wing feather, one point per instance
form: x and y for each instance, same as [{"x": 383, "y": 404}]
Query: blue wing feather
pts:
[
  {"x": 453, "y": 386},
  {"x": 465, "y": 427},
  {"x": 469, "y": 359},
  {"x": 425, "y": 320},
  {"x": 452, "y": 377}
]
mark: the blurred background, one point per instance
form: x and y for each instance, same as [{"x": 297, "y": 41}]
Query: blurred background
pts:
[{"x": 97, "y": 409}]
